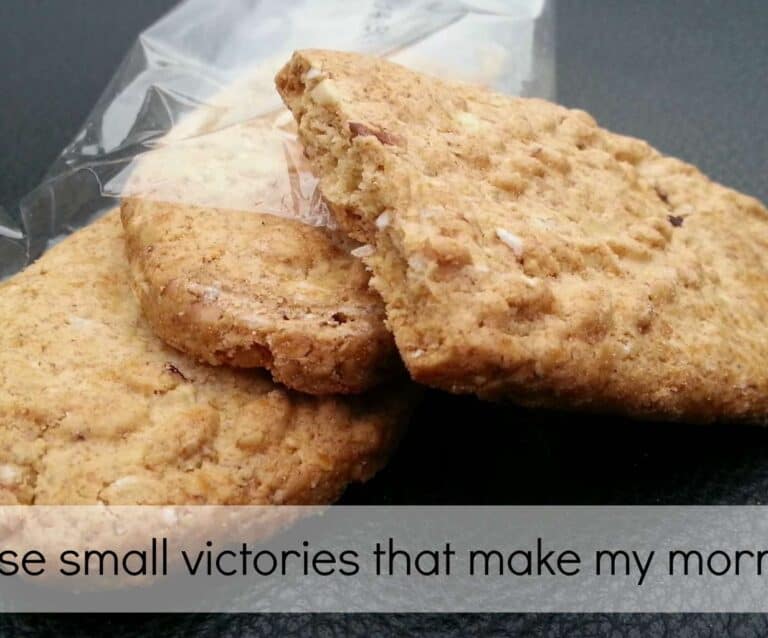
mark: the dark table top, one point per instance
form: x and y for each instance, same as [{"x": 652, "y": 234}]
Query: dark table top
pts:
[{"x": 688, "y": 75}]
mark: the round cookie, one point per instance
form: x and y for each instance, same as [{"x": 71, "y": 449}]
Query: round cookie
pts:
[
  {"x": 235, "y": 261},
  {"x": 94, "y": 408}
]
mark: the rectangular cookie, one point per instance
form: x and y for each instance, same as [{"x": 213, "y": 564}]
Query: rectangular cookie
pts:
[{"x": 525, "y": 253}]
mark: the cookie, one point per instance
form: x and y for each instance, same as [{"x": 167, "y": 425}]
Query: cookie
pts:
[
  {"x": 94, "y": 408},
  {"x": 523, "y": 252},
  {"x": 234, "y": 262}
]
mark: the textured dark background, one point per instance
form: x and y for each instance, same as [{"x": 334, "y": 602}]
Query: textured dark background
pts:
[{"x": 691, "y": 76}]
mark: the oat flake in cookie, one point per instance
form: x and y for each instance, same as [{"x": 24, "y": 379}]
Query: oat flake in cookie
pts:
[
  {"x": 95, "y": 408},
  {"x": 232, "y": 263},
  {"x": 523, "y": 252}
]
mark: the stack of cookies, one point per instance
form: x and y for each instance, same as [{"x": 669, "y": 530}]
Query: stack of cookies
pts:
[
  {"x": 212, "y": 342},
  {"x": 230, "y": 336}
]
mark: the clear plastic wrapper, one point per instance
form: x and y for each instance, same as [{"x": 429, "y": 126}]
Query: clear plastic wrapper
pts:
[{"x": 192, "y": 114}]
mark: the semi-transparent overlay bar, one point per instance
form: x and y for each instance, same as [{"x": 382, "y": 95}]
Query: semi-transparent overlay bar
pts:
[{"x": 383, "y": 559}]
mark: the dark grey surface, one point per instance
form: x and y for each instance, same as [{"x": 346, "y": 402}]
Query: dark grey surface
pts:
[
  {"x": 688, "y": 75},
  {"x": 56, "y": 57}
]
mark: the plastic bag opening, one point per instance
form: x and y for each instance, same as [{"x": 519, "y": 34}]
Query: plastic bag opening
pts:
[{"x": 192, "y": 116}]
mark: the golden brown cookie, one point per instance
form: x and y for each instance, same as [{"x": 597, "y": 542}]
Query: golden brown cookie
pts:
[
  {"x": 233, "y": 261},
  {"x": 95, "y": 408},
  {"x": 524, "y": 252}
]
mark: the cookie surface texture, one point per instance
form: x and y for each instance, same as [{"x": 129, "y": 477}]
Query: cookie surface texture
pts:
[
  {"x": 233, "y": 262},
  {"x": 94, "y": 408},
  {"x": 525, "y": 253}
]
